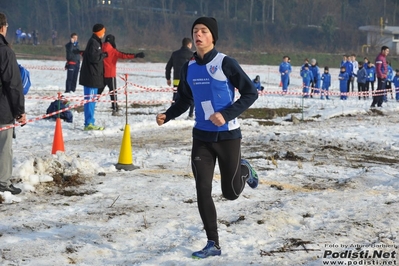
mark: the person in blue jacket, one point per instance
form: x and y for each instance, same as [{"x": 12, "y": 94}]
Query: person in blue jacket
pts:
[
  {"x": 395, "y": 83},
  {"x": 315, "y": 83},
  {"x": 289, "y": 70},
  {"x": 325, "y": 87},
  {"x": 305, "y": 62},
  {"x": 344, "y": 60},
  {"x": 284, "y": 69},
  {"x": 388, "y": 84},
  {"x": 361, "y": 81},
  {"x": 210, "y": 79},
  {"x": 343, "y": 78},
  {"x": 63, "y": 103},
  {"x": 257, "y": 84},
  {"x": 307, "y": 77},
  {"x": 73, "y": 63},
  {"x": 370, "y": 77},
  {"x": 18, "y": 34},
  {"x": 349, "y": 69}
]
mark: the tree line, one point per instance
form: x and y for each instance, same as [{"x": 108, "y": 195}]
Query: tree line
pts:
[{"x": 247, "y": 25}]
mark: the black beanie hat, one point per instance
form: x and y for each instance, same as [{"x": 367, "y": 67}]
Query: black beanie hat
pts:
[
  {"x": 98, "y": 27},
  {"x": 111, "y": 39},
  {"x": 211, "y": 23}
]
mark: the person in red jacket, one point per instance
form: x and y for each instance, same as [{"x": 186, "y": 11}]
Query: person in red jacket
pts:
[{"x": 109, "y": 47}]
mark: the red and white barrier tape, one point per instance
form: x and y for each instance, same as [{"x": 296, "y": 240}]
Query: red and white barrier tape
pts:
[
  {"x": 296, "y": 91},
  {"x": 95, "y": 99}
]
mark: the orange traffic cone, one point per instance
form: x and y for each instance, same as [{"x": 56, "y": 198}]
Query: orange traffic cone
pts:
[
  {"x": 58, "y": 142},
  {"x": 125, "y": 161},
  {"x": 281, "y": 84}
]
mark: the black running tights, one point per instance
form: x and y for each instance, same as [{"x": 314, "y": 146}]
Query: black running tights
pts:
[{"x": 233, "y": 177}]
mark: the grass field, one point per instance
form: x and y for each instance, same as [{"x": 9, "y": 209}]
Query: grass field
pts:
[{"x": 159, "y": 56}]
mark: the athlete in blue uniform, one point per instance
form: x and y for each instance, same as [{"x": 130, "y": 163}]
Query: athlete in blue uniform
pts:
[
  {"x": 285, "y": 70},
  {"x": 210, "y": 80}
]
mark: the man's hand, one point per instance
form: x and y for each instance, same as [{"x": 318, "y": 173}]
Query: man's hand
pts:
[
  {"x": 217, "y": 119},
  {"x": 139, "y": 55},
  {"x": 21, "y": 119},
  {"x": 160, "y": 119},
  {"x": 169, "y": 82}
]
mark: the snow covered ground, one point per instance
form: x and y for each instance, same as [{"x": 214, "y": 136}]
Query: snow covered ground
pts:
[{"x": 329, "y": 189}]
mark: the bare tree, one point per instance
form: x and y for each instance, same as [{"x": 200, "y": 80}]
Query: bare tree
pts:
[
  {"x": 395, "y": 3},
  {"x": 68, "y": 15},
  {"x": 251, "y": 8},
  {"x": 164, "y": 11},
  {"x": 226, "y": 9},
  {"x": 50, "y": 15},
  {"x": 201, "y": 3},
  {"x": 273, "y": 11},
  {"x": 171, "y": 4},
  {"x": 264, "y": 17},
  {"x": 235, "y": 8}
]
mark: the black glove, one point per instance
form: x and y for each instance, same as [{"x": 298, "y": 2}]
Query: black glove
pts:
[
  {"x": 66, "y": 66},
  {"x": 139, "y": 55},
  {"x": 105, "y": 54}
]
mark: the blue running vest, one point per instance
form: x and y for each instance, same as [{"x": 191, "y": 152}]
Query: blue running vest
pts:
[{"x": 212, "y": 92}]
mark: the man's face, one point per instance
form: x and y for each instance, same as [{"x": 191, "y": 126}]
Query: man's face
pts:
[
  {"x": 386, "y": 52},
  {"x": 75, "y": 38},
  {"x": 202, "y": 37},
  {"x": 4, "y": 29}
]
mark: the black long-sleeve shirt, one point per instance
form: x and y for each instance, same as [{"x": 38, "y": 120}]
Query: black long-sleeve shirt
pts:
[{"x": 177, "y": 61}]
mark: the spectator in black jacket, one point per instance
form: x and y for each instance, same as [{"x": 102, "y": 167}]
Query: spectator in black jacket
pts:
[
  {"x": 12, "y": 106},
  {"x": 176, "y": 61},
  {"x": 72, "y": 64},
  {"x": 92, "y": 74}
]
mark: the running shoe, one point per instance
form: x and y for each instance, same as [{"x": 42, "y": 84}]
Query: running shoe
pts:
[
  {"x": 252, "y": 180},
  {"x": 93, "y": 127},
  {"x": 209, "y": 250}
]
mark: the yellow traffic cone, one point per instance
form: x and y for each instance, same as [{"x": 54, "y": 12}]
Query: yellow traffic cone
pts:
[{"x": 125, "y": 161}]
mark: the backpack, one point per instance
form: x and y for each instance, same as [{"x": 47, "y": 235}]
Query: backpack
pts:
[{"x": 25, "y": 76}]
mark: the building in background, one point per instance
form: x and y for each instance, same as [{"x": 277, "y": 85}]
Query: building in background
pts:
[{"x": 378, "y": 36}]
